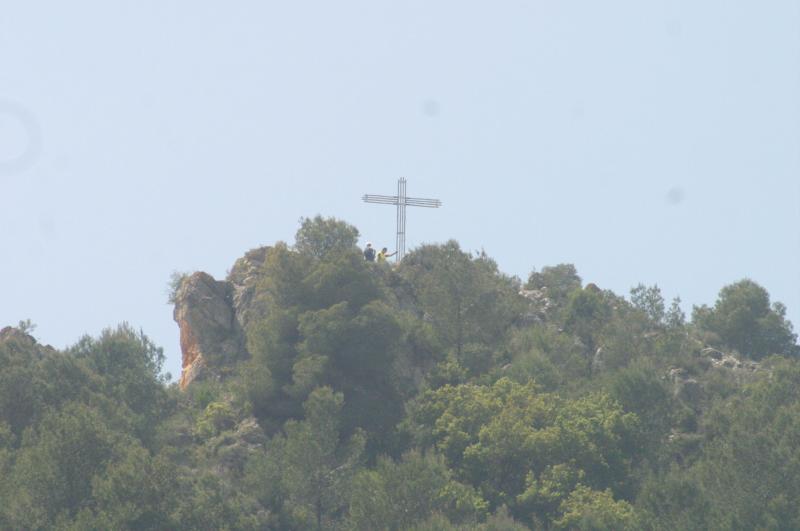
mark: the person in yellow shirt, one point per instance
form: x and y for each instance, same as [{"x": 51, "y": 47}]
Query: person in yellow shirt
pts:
[{"x": 384, "y": 254}]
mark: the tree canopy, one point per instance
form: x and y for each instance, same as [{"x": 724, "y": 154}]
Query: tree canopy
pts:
[{"x": 435, "y": 394}]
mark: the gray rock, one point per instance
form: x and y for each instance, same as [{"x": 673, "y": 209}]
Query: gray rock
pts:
[
  {"x": 243, "y": 278},
  {"x": 598, "y": 361},
  {"x": 539, "y": 304}
]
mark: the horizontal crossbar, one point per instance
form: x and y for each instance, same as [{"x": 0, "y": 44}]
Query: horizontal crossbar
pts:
[
  {"x": 369, "y": 198},
  {"x": 409, "y": 201},
  {"x": 430, "y": 203}
]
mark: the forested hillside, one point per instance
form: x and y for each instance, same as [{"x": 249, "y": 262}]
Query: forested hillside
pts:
[{"x": 437, "y": 394}]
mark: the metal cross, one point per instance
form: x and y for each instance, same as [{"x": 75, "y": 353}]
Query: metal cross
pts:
[{"x": 401, "y": 201}]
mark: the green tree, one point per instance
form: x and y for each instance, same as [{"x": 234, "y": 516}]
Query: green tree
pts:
[
  {"x": 549, "y": 357},
  {"x": 558, "y": 281},
  {"x": 639, "y": 389},
  {"x": 585, "y": 314},
  {"x": 174, "y": 284},
  {"x": 136, "y": 491},
  {"x": 19, "y": 400},
  {"x": 517, "y": 445},
  {"x": 466, "y": 299},
  {"x": 744, "y": 320},
  {"x": 750, "y": 467},
  {"x": 318, "y": 237},
  {"x": 352, "y": 352},
  {"x": 338, "y": 278},
  {"x": 649, "y": 301},
  {"x": 280, "y": 283},
  {"x": 54, "y": 469},
  {"x": 397, "y": 495},
  {"x": 129, "y": 365},
  {"x": 675, "y": 317},
  {"x": 588, "y": 509},
  {"x": 307, "y": 472},
  {"x": 324, "y": 324},
  {"x": 207, "y": 503},
  {"x": 673, "y": 500}
]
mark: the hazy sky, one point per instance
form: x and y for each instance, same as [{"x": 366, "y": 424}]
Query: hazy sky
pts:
[{"x": 654, "y": 142}]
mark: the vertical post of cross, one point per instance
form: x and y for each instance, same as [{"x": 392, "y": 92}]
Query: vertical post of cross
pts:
[{"x": 401, "y": 219}]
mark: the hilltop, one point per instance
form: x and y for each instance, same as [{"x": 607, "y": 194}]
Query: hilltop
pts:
[{"x": 322, "y": 391}]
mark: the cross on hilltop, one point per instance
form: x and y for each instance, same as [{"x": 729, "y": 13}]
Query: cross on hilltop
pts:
[{"x": 401, "y": 201}]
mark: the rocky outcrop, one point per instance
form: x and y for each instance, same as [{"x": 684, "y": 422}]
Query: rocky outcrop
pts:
[
  {"x": 212, "y": 316},
  {"x": 539, "y": 304},
  {"x": 720, "y": 359},
  {"x": 243, "y": 278},
  {"x": 19, "y": 340},
  {"x": 210, "y": 334},
  {"x": 10, "y": 334}
]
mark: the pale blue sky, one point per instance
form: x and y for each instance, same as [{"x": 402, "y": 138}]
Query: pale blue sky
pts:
[{"x": 654, "y": 142}]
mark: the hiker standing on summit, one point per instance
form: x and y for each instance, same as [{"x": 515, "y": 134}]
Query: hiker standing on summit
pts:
[
  {"x": 384, "y": 254},
  {"x": 369, "y": 253}
]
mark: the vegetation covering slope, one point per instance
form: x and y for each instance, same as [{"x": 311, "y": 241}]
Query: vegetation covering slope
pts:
[{"x": 439, "y": 394}]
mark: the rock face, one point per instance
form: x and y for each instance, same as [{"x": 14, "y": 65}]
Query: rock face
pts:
[
  {"x": 210, "y": 333},
  {"x": 244, "y": 277},
  {"x": 212, "y": 315},
  {"x": 539, "y": 304}
]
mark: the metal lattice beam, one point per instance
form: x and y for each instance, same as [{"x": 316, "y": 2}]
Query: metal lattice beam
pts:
[{"x": 393, "y": 200}]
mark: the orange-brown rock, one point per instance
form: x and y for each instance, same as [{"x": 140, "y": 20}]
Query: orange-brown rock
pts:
[
  {"x": 210, "y": 333},
  {"x": 212, "y": 315}
]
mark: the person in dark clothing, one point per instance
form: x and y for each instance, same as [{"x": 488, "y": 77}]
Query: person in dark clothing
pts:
[{"x": 369, "y": 253}]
